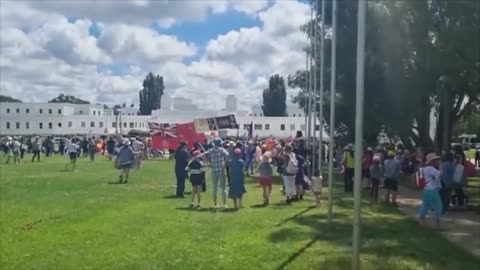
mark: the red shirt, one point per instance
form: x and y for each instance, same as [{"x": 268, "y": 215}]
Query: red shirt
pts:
[{"x": 367, "y": 160}]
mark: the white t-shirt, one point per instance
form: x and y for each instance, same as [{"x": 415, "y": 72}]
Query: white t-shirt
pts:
[
  {"x": 432, "y": 178},
  {"x": 137, "y": 146},
  {"x": 72, "y": 148},
  {"x": 317, "y": 184}
]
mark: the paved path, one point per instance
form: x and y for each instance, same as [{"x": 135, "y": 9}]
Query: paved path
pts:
[{"x": 462, "y": 228}]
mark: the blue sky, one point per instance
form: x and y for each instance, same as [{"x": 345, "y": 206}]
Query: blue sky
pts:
[{"x": 198, "y": 32}]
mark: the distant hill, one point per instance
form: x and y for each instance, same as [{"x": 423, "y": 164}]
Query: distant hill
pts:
[
  {"x": 68, "y": 99},
  {"x": 9, "y": 99}
]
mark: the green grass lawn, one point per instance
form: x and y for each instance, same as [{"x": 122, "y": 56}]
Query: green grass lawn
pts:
[{"x": 51, "y": 219}]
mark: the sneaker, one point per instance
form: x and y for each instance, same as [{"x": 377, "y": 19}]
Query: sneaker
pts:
[{"x": 192, "y": 205}]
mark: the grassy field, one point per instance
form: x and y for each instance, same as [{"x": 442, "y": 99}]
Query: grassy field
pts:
[{"x": 51, "y": 219}]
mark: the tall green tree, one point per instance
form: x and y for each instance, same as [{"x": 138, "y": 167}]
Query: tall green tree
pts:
[
  {"x": 9, "y": 99},
  {"x": 275, "y": 97},
  {"x": 68, "y": 99},
  {"x": 415, "y": 51},
  {"x": 151, "y": 94}
]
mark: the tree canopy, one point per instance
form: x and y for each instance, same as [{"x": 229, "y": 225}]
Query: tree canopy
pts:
[
  {"x": 151, "y": 94},
  {"x": 9, "y": 99},
  {"x": 274, "y": 97},
  {"x": 416, "y": 51},
  {"x": 68, "y": 99}
]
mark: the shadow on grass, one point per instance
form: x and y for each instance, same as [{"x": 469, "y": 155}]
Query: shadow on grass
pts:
[
  {"x": 388, "y": 240},
  {"x": 295, "y": 216},
  {"x": 172, "y": 197},
  {"x": 115, "y": 183}
]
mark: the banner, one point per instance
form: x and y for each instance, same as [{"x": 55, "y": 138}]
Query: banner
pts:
[
  {"x": 201, "y": 125},
  {"x": 226, "y": 122},
  {"x": 216, "y": 123}
]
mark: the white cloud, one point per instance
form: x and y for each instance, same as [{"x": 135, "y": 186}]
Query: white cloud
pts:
[
  {"x": 44, "y": 54},
  {"x": 135, "y": 44},
  {"x": 249, "y": 7}
]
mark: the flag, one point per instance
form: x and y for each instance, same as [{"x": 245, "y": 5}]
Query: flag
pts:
[
  {"x": 183, "y": 132},
  {"x": 164, "y": 130}
]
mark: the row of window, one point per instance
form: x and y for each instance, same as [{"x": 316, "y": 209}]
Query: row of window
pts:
[
  {"x": 50, "y": 111},
  {"x": 282, "y": 127},
  {"x": 82, "y": 124}
]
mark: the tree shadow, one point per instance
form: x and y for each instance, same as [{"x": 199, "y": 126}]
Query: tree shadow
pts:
[
  {"x": 383, "y": 239},
  {"x": 114, "y": 183},
  {"x": 295, "y": 216},
  {"x": 172, "y": 197}
]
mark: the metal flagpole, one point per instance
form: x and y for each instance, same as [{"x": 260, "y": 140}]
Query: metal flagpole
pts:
[
  {"x": 362, "y": 5},
  {"x": 310, "y": 78},
  {"x": 314, "y": 68},
  {"x": 332, "y": 110},
  {"x": 322, "y": 53},
  {"x": 307, "y": 95}
]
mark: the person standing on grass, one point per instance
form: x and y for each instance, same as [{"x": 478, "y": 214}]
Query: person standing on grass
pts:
[
  {"x": 430, "y": 195},
  {"x": 447, "y": 167},
  {"x": 92, "y": 148},
  {"x": 124, "y": 161},
  {"x": 218, "y": 156},
  {"x": 137, "y": 147},
  {"x": 72, "y": 149},
  {"x": 299, "y": 177},
  {"x": 265, "y": 171},
  {"x": 290, "y": 170},
  {"x": 349, "y": 163},
  {"x": 197, "y": 178},
  {"x": 237, "y": 178},
  {"x": 181, "y": 162},
  {"x": 376, "y": 175},
  {"x": 110, "y": 147},
  {"x": 367, "y": 162},
  {"x": 36, "y": 149},
  {"x": 317, "y": 186},
  {"x": 392, "y": 172}
]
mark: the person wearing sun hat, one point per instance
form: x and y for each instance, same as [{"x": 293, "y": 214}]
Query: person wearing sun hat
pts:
[
  {"x": 237, "y": 176},
  {"x": 124, "y": 161},
  {"x": 392, "y": 171},
  {"x": 265, "y": 171},
  {"x": 430, "y": 194},
  {"x": 197, "y": 177}
]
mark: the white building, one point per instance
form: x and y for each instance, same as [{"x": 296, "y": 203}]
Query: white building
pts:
[
  {"x": 87, "y": 119},
  {"x": 65, "y": 119}
]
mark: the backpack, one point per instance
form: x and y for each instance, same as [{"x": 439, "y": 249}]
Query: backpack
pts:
[
  {"x": 420, "y": 179},
  {"x": 292, "y": 166}
]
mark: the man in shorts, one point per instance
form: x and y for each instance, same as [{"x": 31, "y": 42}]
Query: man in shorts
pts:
[
  {"x": 72, "y": 149},
  {"x": 137, "y": 147},
  {"x": 392, "y": 172}
]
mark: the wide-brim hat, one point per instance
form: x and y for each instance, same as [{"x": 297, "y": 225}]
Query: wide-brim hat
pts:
[
  {"x": 231, "y": 143},
  {"x": 431, "y": 157},
  {"x": 267, "y": 154},
  {"x": 126, "y": 142}
]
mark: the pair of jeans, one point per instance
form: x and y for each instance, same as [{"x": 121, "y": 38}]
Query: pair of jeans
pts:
[
  {"x": 249, "y": 165},
  {"x": 218, "y": 178},
  {"x": 348, "y": 180},
  {"x": 445, "y": 195},
  {"x": 431, "y": 200},
  {"x": 289, "y": 183},
  {"x": 460, "y": 194},
  {"x": 180, "y": 174}
]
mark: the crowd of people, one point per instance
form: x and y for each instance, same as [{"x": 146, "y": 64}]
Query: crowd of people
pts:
[{"x": 442, "y": 179}]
